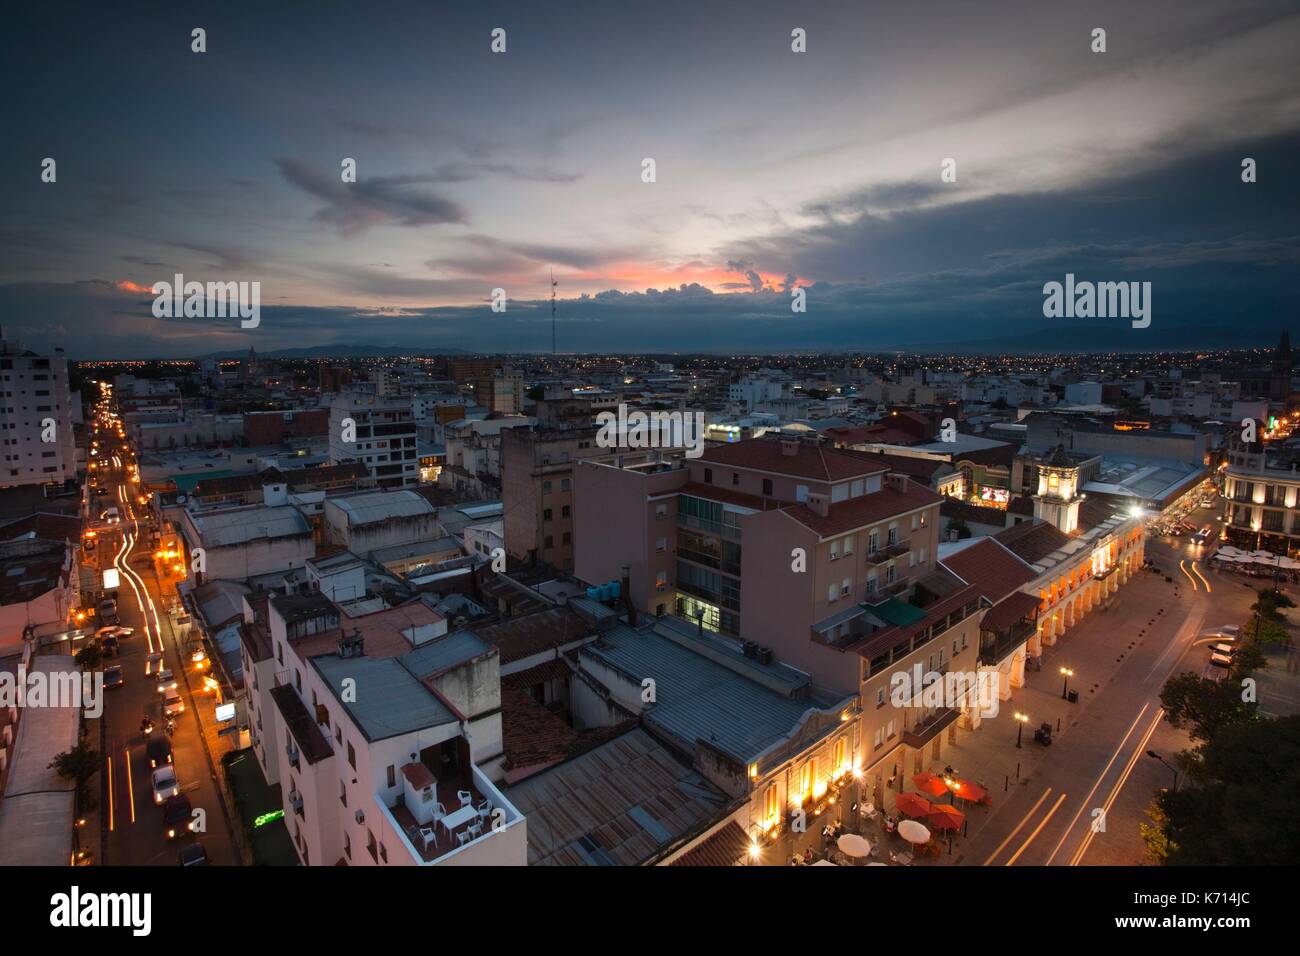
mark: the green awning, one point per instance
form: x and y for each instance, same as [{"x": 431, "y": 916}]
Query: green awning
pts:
[
  {"x": 185, "y": 483},
  {"x": 898, "y": 612}
]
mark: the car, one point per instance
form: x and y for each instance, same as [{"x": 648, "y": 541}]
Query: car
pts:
[
  {"x": 166, "y": 680},
  {"x": 113, "y": 676},
  {"x": 159, "y": 750},
  {"x": 1232, "y": 629},
  {"x": 114, "y": 630},
  {"x": 1220, "y": 660},
  {"x": 108, "y": 646},
  {"x": 172, "y": 703},
  {"x": 165, "y": 784},
  {"x": 193, "y": 855},
  {"x": 154, "y": 663},
  {"x": 1223, "y": 648},
  {"x": 178, "y": 816}
]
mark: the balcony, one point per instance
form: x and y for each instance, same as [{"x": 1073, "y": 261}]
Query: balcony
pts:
[
  {"x": 463, "y": 828},
  {"x": 883, "y": 555},
  {"x": 924, "y": 731}
]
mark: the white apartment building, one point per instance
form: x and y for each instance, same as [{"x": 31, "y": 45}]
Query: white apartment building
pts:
[
  {"x": 383, "y": 433},
  {"x": 36, "y": 439},
  {"x": 377, "y": 728}
]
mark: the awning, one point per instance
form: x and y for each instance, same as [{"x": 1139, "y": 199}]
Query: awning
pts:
[{"x": 1014, "y": 607}]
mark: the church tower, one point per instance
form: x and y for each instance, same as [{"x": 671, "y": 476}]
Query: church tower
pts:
[{"x": 1058, "y": 496}]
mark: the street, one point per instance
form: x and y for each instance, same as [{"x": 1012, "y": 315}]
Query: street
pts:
[{"x": 132, "y": 824}]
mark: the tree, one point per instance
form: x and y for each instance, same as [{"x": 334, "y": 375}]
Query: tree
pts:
[
  {"x": 1238, "y": 808},
  {"x": 78, "y": 765},
  {"x": 88, "y": 657},
  {"x": 1203, "y": 707}
]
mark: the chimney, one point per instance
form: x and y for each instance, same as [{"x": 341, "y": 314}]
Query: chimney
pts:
[
  {"x": 627, "y": 596},
  {"x": 820, "y": 503},
  {"x": 789, "y": 448}
]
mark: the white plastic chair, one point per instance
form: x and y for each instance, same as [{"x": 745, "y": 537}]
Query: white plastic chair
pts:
[{"x": 466, "y": 797}]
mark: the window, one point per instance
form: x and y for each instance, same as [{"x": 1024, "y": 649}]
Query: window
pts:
[
  {"x": 846, "y": 587},
  {"x": 838, "y": 763},
  {"x": 548, "y": 542},
  {"x": 893, "y": 535},
  {"x": 564, "y": 511},
  {"x": 352, "y": 756},
  {"x": 889, "y": 731},
  {"x": 770, "y": 804},
  {"x": 343, "y": 793},
  {"x": 735, "y": 477},
  {"x": 661, "y": 511},
  {"x": 801, "y": 493},
  {"x": 848, "y": 545},
  {"x": 546, "y": 487},
  {"x": 708, "y": 476},
  {"x": 767, "y": 486},
  {"x": 873, "y": 541},
  {"x": 871, "y": 583},
  {"x": 915, "y": 520},
  {"x": 880, "y": 697},
  {"x": 889, "y": 574},
  {"x": 835, "y": 550},
  {"x": 832, "y": 593},
  {"x": 879, "y": 740},
  {"x": 546, "y": 514},
  {"x": 392, "y": 775},
  {"x": 661, "y": 544},
  {"x": 564, "y": 484}
]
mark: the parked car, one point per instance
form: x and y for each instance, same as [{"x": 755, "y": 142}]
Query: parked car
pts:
[
  {"x": 113, "y": 676},
  {"x": 108, "y": 646},
  {"x": 1220, "y": 660},
  {"x": 159, "y": 750},
  {"x": 178, "y": 816},
  {"x": 164, "y": 783},
  {"x": 108, "y": 612},
  {"x": 1223, "y": 648},
  {"x": 193, "y": 855},
  {"x": 153, "y": 664}
]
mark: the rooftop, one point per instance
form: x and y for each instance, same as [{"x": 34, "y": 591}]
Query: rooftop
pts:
[
  {"x": 373, "y": 507},
  {"x": 624, "y": 803},
  {"x": 235, "y": 526},
  {"x": 388, "y": 699},
  {"x": 797, "y": 459}
]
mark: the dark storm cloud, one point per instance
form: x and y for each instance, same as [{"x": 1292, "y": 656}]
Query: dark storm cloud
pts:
[{"x": 371, "y": 201}]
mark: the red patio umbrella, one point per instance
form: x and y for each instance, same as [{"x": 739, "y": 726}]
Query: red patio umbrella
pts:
[
  {"x": 913, "y": 805},
  {"x": 930, "y": 784},
  {"x": 945, "y": 817},
  {"x": 970, "y": 791}
]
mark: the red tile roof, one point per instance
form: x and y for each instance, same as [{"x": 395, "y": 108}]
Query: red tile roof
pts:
[
  {"x": 989, "y": 566},
  {"x": 728, "y": 495},
  {"x": 808, "y": 461},
  {"x": 1032, "y": 541},
  {"x": 856, "y": 513},
  {"x": 1014, "y": 607}
]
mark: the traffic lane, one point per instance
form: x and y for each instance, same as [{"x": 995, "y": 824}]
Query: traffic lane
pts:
[{"x": 194, "y": 772}]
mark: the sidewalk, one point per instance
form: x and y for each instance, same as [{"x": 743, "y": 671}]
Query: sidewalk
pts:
[
  {"x": 1094, "y": 649},
  {"x": 215, "y": 744}
]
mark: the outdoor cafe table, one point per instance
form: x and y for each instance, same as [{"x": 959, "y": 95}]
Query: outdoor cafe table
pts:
[{"x": 458, "y": 817}]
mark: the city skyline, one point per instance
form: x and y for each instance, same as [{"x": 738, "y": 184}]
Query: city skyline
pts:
[{"x": 774, "y": 170}]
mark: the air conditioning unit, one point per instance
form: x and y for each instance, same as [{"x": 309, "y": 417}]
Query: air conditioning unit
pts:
[{"x": 361, "y": 817}]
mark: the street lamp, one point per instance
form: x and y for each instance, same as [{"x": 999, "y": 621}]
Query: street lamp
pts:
[
  {"x": 1021, "y": 720},
  {"x": 1156, "y": 756},
  {"x": 1065, "y": 687}
]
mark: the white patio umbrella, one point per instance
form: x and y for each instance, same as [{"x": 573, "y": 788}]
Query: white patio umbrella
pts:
[
  {"x": 913, "y": 832},
  {"x": 825, "y": 863},
  {"x": 853, "y": 845}
]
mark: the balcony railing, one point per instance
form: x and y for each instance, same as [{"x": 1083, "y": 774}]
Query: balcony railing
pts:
[{"x": 924, "y": 731}]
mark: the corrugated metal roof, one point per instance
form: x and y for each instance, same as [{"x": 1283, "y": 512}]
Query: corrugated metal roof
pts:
[
  {"x": 620, "y": 804},
  {"x": 448, "y": 651},
  {"x": 699, "y": 699},
  {"x": 238, "y": 525},
  {"x": 389, "y": 699},
  {"x": 382, "y": 505}
]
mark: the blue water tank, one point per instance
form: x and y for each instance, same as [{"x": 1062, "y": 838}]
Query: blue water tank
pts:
[{"x": 615, "y": 589}]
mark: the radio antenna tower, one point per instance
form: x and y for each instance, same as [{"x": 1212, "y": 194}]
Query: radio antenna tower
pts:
[{"x": 553, "y": 285}]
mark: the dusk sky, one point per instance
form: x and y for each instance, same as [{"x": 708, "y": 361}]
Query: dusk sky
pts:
[{"x": 774, "y": 169}]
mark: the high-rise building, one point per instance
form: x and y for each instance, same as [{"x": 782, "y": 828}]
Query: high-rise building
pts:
[
  {"x": 383, "y": 437},
  {"x": 537, "y": 480},
  {"x": 35, "y": 418}
]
